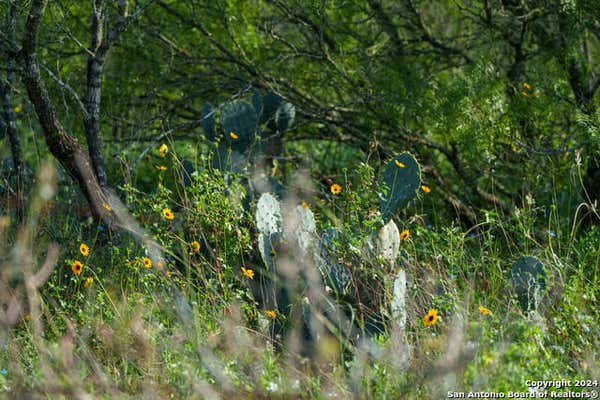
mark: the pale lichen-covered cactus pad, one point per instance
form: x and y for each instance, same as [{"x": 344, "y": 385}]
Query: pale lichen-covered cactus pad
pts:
[
  {"x": 398, "y": 303},
  {"x": 389, "y": 241},
  {"x": 269, "y": 225},
  {"x": 304, "y": 229}
]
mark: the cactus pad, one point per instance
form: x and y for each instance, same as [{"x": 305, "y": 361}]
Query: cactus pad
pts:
[
  {"x": 334, "y": 273},
  {"x": 528, "y": 278},
  {"x": 268, "y": 223},
  {"x": 398, "y": 303},
  {"x": 401, "y": 179},
  {"x": 239, "y": 122},
  {"x": 385, "y": 243}
]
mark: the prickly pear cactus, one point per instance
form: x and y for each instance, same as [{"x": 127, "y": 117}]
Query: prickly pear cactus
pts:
[
  {"x": 208, "y": 123},
  {"x": 304, "y": 229},
  {"x": 285, "y": 116},
  {"x": 398, "y": 303},
  {"x": 239, "y": 122},
  {"x": 269, "y": 225},
  {"x": 261, "y": 183},
  {"x": 385, "y": 243},
  {"x": 186, "y": 171},
  {"x": 401, "y": 179},
  {"x": 269, "y": 104},
  {"x": 226, "y": 159},
  {"x": 334, "y": 273},
  {"x": 275, "y": 112},
  {"x": 528, "y": 279},
  {"x": 258, "y": 104}
]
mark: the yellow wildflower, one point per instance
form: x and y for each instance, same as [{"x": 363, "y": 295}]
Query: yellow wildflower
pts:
[
  {"x": 526, "y": 86},
  {"x": 147, "y": 262},
  {"x": 484, "y": 310},
  {"x": 88, "y": 282},
  {"x": 426, "y": 188},
  {"x": 163, "y": 150},
  {"x": 106, "y": 207},
  {"x": 17, "y": 109},
  {"x": 233, "y": 136},
  {"x": 399, "y": 164},
  {"x": 404, "y": 234},
  {"x": 271, "y": 314},
  {"x": 304, "y": 204},
  {"x": 84, "y": 249},
  {"x": 167, "y": 213},
  {"x": 161, "y": 168},
  {"x": 195, "y": 246},
  {"x": 431, "y": 317},
  {"x": 247, "y": 272},
  {"x": 76, "y": 267},
  {"x": 336, "y": 189}
]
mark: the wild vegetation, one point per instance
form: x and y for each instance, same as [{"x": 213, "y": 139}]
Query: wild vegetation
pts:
[{"x": 299, "y": 199}]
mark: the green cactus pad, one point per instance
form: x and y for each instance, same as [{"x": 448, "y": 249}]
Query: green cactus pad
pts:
[
  {"x": 275, "y": 112},
  {"x": 528, "y": 279},
  {"x": 238, "y": 117},
  {"x": 225, "y": 160},
  {"x": 269, "y": 104},
  {"x": 401, "y": 179},
  {"x": 334, "y": 273},
  {"x": 285, "y": 116}
]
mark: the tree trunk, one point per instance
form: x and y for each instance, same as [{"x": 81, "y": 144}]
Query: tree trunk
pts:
[
  {"x": 69, "y": 152},
  {"x": 8, "y": 115},
  {"x": 94, "y": 85}
]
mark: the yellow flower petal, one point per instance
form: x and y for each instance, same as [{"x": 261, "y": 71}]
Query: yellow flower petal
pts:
[
  {"x": 84, "y": 249},
  {"x": 404, "y": 234},
  {"x": 147, "y": 262},
  {"x": 247, "y": 272},
  {"x": 271, "y": 314},
  {"x": 167, "y": 213},
  {"x": 336, "y": 189},
  {"x": 431, "y": 317},
  {"x": 77, "y": 267},
  {"x": 163, "y": 150}
]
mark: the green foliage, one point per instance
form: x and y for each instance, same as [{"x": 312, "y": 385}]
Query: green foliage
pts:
[{"x": 499, "y": 105}]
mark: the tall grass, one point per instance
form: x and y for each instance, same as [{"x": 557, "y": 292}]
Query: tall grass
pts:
[{"x": 194, "y": 326}]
